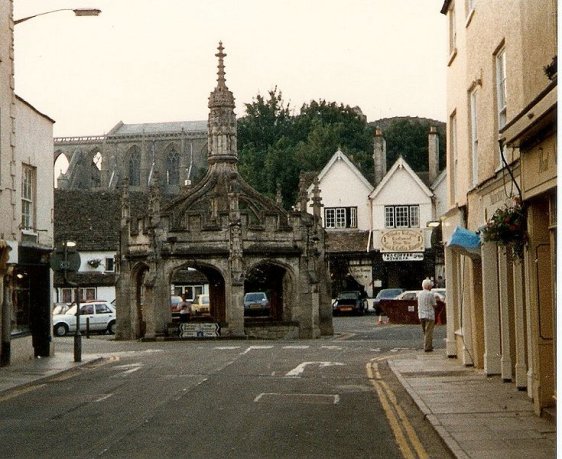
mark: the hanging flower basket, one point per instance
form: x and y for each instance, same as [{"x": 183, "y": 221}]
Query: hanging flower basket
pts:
[
  {"x": 94, "y": 262},
  {"x": 508, "y": 228}
]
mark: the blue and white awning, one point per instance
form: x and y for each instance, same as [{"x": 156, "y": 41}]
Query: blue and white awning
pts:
[{"x": 465, "y": 241}]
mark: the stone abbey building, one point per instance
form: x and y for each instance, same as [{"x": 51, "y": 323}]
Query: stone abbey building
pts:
[
  {"x": 177, "y": 151},
  {"x": 240, "y": 240}
]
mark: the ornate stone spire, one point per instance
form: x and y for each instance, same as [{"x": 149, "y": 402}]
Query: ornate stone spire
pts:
[
  {"x": 221, "y": 96},
  {"x": 222, "y": 120}
]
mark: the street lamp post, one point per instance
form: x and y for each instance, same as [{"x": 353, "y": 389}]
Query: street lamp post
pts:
[
  {"x": 77, "y": 334},
  {"x": 77, "y": 12}
]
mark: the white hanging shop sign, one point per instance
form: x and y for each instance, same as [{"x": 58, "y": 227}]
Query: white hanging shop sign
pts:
[
  {"x": 402, "y": 256},
  {"x": 402, "y": 245},
  {"x": 402, "y": 240}
]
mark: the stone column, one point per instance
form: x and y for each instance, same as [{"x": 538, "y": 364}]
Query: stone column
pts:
[
  {"x": 506, "y": 304},
  {"x": 520, "y": 326},
  {"x": 529, "y": 332},
  {"x": 452, "y": 305},
  {"x": 465, "y": 275},
  {"x": 490, "y": 293}
]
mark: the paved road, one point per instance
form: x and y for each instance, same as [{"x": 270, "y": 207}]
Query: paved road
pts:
[{"x": 239, "y": 399}]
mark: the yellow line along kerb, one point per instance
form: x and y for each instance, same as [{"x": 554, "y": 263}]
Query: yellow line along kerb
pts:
[{"x": 402, "y": 429}]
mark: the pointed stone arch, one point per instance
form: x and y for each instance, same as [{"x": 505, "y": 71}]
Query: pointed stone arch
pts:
[
  {"x": 277, "y": 279},
  {"x": 216, "y": 284},
  {"x": 134, "y": 161}
]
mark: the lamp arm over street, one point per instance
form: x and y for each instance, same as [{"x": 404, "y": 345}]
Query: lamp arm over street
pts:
[{"x": 77, "y": 12}]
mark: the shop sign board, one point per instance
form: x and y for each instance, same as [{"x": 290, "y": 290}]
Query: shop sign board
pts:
[
  {"x": 402, "y": 256},
  {"x": 402, "y": 240}
]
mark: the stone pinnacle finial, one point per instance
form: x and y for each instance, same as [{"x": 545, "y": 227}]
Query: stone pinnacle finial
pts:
[{"x": 221, "y": 55}]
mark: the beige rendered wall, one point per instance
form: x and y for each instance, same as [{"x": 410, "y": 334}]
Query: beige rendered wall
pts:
[{"x": 7, "y": 114}]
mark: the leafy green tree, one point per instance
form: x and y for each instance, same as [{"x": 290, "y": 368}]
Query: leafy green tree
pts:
[
  {"x": 407, "y": 136},
  {"x": 275, "y": 145}
]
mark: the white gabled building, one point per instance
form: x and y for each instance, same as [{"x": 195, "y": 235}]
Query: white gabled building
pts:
[
  {"x": 345, "y": 194},
  {"x": 400, "y": 202},
  {"x": 378, "y": 236}
]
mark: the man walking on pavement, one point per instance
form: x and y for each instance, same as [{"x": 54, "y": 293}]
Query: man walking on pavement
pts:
[{"x": 426, "y": 313}]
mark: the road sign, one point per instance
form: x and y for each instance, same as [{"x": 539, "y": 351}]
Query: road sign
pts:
[
  {"x": 199, "y": 330},
  {"x": 59, "y": 264}
]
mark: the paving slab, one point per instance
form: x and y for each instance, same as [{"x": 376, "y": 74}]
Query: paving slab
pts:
[{"x": 476, "y": 415}]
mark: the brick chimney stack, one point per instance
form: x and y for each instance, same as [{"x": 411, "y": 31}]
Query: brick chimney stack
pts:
[
  {"x": 379, "y": 156},
  {"x": 433, "y": 154}
]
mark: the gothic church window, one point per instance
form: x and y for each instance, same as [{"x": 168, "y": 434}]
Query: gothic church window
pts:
[
  {"x": 134, "y": 168},
  {"x": 173, "y": 168}
]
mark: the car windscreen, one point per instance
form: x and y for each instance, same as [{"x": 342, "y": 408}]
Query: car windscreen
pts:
[
  {"x": 389, "y": 293},
  {"x": 254, "y": 297},
  {"x": 348, "y": 296}
]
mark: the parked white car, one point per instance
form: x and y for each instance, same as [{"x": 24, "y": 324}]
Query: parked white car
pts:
[{"x": 99, "y": 314}]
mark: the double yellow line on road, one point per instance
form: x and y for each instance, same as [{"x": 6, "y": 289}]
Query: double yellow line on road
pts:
[{"x": 405, "y": 435}]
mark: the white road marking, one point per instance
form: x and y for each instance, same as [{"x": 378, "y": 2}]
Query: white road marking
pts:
[
  {"x": 226, "y": 348},
  {"x": 129, "y": 368},
  {"x": 296, "y": 347},
  {"x": 299, "y": 369},
  {"x": 103, "y": 397},
  {"x": 251, "y": 348},
  {"x": 317, "y": 399},
  {"x": 334, "y": 348}
]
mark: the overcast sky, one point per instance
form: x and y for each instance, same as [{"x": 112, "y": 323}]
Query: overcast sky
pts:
[{"x": 154, "y": 61}]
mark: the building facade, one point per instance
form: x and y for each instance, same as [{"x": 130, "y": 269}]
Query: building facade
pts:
[
  {"x": 177, "y": 151},
  {"x": 501, "y": 103},
  {"x": 26, "y": 205},
  {"x": 377, "y": 236}
]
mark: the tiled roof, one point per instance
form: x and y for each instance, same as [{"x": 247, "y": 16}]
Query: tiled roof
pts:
[
  {"x": 346, "y": 241},
  {"x": 92, "y": 218},
  {"x": 152, "y": 128},
  {"x": 89, "y": 218}
]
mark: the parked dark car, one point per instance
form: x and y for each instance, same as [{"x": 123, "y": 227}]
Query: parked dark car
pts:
[
  {"x": 384, "y": 294},
  {"x": 256, "y": 304},
  {"x": 351, "y": 301}
]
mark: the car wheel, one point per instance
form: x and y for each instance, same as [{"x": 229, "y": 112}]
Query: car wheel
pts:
[
  {"x": 60, "y": 329},
  {"x": 111, "y": 328}
]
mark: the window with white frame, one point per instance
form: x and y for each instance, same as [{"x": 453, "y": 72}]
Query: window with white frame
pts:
[
  {"x": 452, "y": 30},
  {"x": 453, "y": 155},
  {"x": 402, "y": 216},
  {"x": 109, "y": 264},
  {"x": 68, "y": 295},
  {"x": 474, "y": 134},
  {"x": 28, "y": 177},
  {"x": 501, "y": 93},
  {"x": 340, "y": 217}
]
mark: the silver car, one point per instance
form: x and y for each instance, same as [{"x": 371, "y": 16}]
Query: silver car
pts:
[{"x": 97, "y": 315}]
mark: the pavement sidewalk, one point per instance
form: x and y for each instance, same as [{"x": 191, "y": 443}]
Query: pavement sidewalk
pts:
[
  {"x": 477, "y": 416},
  {"x": 22, "y": 374}
]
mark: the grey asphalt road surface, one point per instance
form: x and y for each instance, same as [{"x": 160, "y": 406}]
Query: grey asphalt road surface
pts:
[{"x": 238, "y": 399}]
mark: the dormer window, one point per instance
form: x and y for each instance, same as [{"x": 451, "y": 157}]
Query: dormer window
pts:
[
  {"x": 340, "y": 217},
  {"x": 404, "y": 216}
]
